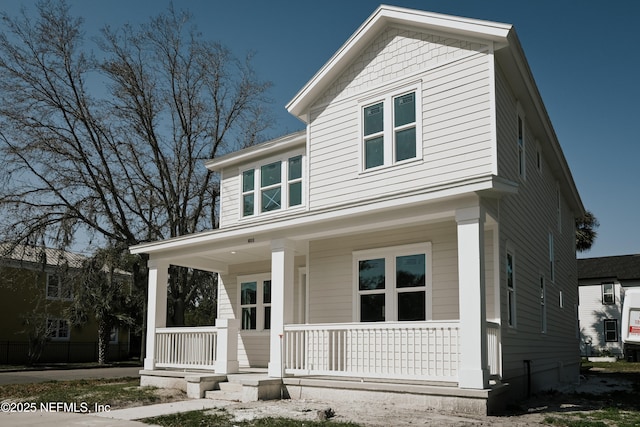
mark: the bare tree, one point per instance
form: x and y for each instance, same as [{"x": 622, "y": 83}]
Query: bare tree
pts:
[{"x": 108, "y": 139}]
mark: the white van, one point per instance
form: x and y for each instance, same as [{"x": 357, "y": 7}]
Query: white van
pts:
[{"x": 631, "y": 324}]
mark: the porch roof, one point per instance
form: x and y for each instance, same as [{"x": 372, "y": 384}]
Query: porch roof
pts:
[{"x": 214, "y": 250}]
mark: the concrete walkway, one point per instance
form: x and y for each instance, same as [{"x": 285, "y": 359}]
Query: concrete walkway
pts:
[{"x": 116, "y": 418}]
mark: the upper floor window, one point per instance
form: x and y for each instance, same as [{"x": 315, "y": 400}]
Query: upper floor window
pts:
[
  {"x": 390, "y": 129},
  {"x": 521, "y": 147},
  {"x": 393, "y": 284},
  {"x": 608, "y": 294},
  {"x": 272, "y": 186},
  {"x": 57, "y": 288}
]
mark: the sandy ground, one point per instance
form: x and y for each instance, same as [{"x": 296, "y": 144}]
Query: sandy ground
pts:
[{"x": 529, "y": 413}]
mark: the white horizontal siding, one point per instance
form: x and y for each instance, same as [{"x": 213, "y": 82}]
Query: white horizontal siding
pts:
[
  {"x": 592, "y": 313},
  {"x": 456, "y": 131},
  {"x": 229, "y": 197},
  {"x": 525, "y": 220},
  {"x": 330, "y": 277}
]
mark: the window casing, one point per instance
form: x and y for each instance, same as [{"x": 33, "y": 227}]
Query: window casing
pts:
[
  {"x": 511, "y": 289},
  {"x": 272, "y": 186},
  {"x": 543, "y": 306},
  {"x": 393, "y": 284},
  {"x": 58, "y": 329},
  {"x": 608, "y": 293},
  {"x": 611, "y": 330},
  {"x": 255, "y": 302},
  {"x": 391, "y": 129},
  {"x": 521, "y": 147},
  {"x": 58, "y": 289}
]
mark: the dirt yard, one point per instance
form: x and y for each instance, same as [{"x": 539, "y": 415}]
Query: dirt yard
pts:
[{"x": 596, "y": 390}]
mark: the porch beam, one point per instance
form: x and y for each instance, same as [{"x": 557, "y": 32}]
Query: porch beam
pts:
[
  {"x": 474, "y": 371},
  {"x": 156, "y": 307},
  {"x": 282, "y": 277}
]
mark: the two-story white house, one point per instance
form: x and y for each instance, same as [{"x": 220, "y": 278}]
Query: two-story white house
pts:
[
  {"x": 602, "y": 283},
  {"x": 417, "y": 236}
]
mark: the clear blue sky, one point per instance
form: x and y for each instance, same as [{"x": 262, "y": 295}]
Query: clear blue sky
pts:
[{"x": 585, "y": 57}]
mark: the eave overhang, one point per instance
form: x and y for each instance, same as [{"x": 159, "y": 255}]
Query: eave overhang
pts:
[{"x": 265, "y": 149}]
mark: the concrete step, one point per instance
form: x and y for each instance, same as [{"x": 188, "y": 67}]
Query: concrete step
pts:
[{"x": 230, "y": 386}]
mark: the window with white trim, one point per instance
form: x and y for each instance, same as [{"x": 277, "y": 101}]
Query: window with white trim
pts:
[
  {"x": 521, "y": 147},
  {"x": 272, "y": 186},
  {"x": 611, "y": 330},
  {"x": 393, "y": 284},
  {"x": 58, "y": 329},
  {"x": 608, "y": 293},
  {"x": 255, "y": 302},
  {"x": 391, "y": 129},
  {"x": 511, "y": 289},
  {"x": 543, "y": 306},
  {"x": 57, "y": 288}
]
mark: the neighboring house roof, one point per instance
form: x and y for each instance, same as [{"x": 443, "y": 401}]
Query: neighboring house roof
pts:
[
  {"x": 24, "y": 255},
  {"x": 40, "y": 255},
  {"x": 623, "y": 267}
]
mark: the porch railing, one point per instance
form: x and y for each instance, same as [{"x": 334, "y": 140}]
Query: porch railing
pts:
[
  {"x": 186, "y": 347},
  {"x": 426, "y": 350}
]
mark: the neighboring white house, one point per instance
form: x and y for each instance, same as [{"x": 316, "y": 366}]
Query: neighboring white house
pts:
[
  {"x": 602, "y": 284},
  {"x": 421, "y": 227}
]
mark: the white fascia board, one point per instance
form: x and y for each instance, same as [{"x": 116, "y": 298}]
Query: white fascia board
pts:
[
  {"x": 261, "y": 150},
  {"x": 389, "y": 15},
  {"x": 279, "y": 226}
]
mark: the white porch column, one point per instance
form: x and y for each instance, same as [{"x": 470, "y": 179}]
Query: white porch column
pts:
[
  {"x": 227, "y": 346},
  {"x": 282, "y": 276},
  {"x": 156, "y": 307},
  {"x": 474, "y": 372}
]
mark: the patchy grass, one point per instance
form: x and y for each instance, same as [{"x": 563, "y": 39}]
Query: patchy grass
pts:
[
  {"x": 601, "y": 418},
  {"x": 222, "y": 418},
  {"x": 115, "y": 392},
  {"x": 621, "y": 366}
]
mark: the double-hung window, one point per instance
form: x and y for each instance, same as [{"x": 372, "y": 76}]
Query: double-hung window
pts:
[
  {"x": 272, "y": 186},
  {"x": 390, "y": 131},
  {"x": 608, "y": 293},
  {"x": 611, "y": 330},
  {"x": 58, "y": 329},
  {"x": 255, "y": 302},
  {"x": 521, "y": 147},
  {"x": 58, "y": 288},
  {"x": 393, "y": 284}
]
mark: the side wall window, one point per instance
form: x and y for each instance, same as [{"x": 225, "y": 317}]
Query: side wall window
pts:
[{"x": 511, "y": 289}]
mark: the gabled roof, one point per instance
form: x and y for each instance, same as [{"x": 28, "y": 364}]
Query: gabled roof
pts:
[
  {"x": 390, "y": 15},
  {"x": 624, "y": 267}
]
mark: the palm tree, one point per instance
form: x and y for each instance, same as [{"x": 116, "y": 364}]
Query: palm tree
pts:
[{"x": 586, "y": 231}]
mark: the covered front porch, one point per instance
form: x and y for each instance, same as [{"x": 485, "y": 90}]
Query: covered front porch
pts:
[{"x": 310, "y": 322}]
